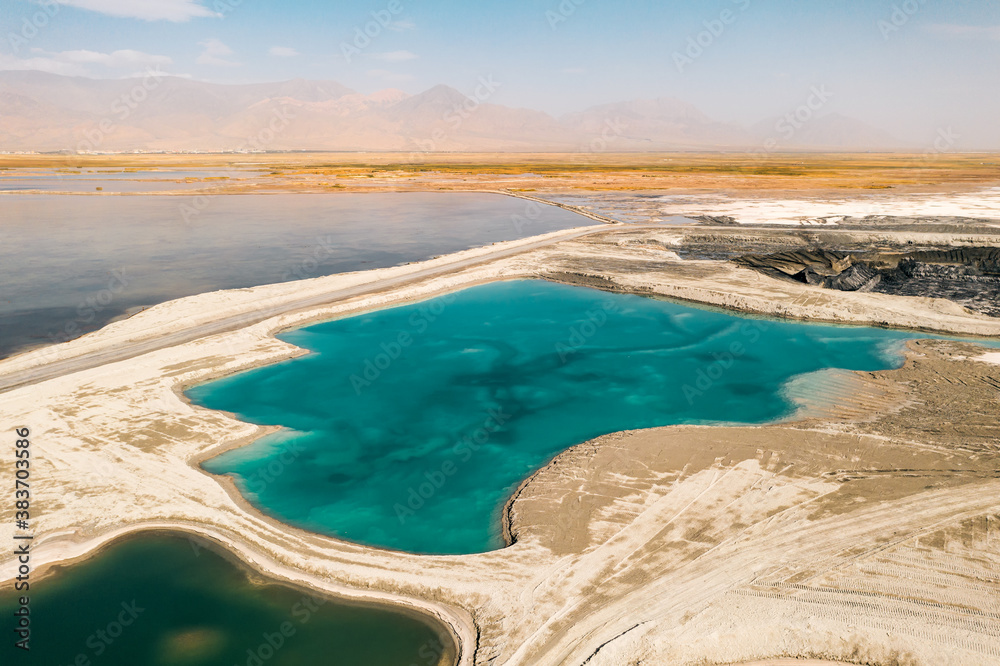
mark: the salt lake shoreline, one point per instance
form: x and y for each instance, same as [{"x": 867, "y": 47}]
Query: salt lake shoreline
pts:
[{"x": 460, "y": 624}]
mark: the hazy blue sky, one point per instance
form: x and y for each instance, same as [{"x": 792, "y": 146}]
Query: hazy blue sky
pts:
[{"x": 911, "y": 67}]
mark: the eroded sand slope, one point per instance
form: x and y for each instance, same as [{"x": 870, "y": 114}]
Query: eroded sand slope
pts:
[{"x": 871, "y": 534}]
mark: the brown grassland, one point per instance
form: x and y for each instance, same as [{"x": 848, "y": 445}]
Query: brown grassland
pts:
[{"x": 799, "y": 172}]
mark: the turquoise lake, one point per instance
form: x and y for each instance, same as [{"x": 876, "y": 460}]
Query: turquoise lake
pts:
[{"x": 408, "y": 428}]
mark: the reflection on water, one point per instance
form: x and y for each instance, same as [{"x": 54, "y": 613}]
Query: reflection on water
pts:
[
  {"x": 161, "y": 600},
  {"x": 70, "y": 264},
  {"x": 112, "y": 182}
]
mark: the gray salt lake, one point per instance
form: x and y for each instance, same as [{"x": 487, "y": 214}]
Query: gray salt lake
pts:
[{"x": 71, "y": 264}]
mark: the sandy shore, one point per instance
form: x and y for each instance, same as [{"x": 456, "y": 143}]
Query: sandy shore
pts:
[
  {"x": 183, "y": 320},
  {"x": 678, "y": 545},
  {"x": 640, "y": 259},
  {"x": 790, "y": 662}
]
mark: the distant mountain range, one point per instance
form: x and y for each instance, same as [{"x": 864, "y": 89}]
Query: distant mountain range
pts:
[{"x": 47, "y": 112}]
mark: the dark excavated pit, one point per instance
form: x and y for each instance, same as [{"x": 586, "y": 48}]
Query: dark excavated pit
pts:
[{"x": 969, "y": 276}]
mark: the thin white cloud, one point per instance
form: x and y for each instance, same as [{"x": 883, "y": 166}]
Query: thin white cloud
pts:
[
  {"x": 141, "y": 74},
  {"x": 402, "y": 26},
  {"x": 386, "y": 75},
  {"x": 395, "y": 56},
  {"x": 966, "y": 31},
  {"x": 214, "y": 53},
  {"x": 11, "y": 63},
  {"x": 283, "y": 51},
  {"x": 124, "y": 58},
  {"x": 148, "y": 10},
  {"x": 76, "y": 63}
]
